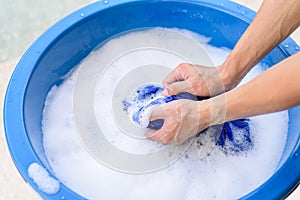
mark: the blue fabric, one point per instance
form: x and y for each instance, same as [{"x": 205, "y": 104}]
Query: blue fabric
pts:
[
  {"x": 228, "y": 137},
  {"x": 235, "y": 135}
]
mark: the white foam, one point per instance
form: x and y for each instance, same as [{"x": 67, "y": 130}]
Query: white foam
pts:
[
  {"x": 136, "y": 105},
  {"x": 41, "y": 177},
  {"x": 217, "y": 176}
]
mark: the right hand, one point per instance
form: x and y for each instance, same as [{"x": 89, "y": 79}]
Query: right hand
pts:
[{"x": 195, "y": 79}]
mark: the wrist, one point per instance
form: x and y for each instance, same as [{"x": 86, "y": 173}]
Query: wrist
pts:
[
  {"x": 212, "y": 111},
  {"x": 232, "y": 71},
  {"x": 227, "y": 76}
]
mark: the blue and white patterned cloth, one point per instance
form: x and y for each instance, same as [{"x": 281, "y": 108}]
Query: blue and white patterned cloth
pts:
[{"x": 235, "y": 135}]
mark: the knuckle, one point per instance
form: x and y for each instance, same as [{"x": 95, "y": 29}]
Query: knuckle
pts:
[
  {"x": 175, "y": 143},
  {"x": 181, "y": 65},
  {"x": 184, "y": 66},
  {"x": 166, "y": 141},
  {"x": 171, "y": 89},
  {"x": 178, "y": 143},
  {"x": 195, "y": 87}
]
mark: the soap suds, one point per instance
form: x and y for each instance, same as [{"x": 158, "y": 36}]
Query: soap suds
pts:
[
  {"x": 41, "y": 177},
  {"x": 217, "y": 176},
  {"x": 139, "y": 103}
]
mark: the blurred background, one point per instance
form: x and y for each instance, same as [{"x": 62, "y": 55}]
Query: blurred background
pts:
[{"x": 21, "y": 24}]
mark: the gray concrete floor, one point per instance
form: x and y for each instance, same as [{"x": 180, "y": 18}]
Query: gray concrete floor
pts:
[{"x": 21, "y": 23}]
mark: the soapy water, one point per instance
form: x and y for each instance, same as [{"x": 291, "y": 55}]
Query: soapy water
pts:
[
  {"x": 217, "y": 175},
  {"x": 42, "y": 179},
  {"x": 234, "y": 136},
  {"x": 142, "y": 101},
  {"x": 99, "y": 91}
]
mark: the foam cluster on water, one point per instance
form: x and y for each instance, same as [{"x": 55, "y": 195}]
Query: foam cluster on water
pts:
[
  {"x": 141, "y": 103},
  {"x": 41, "y": 177},
  {"x": 217, "y": 176}
]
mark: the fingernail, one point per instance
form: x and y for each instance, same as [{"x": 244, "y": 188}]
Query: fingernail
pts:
[{"x": 165, "y": 93}]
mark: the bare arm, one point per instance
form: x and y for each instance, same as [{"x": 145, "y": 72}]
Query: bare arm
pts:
[
  {"x": 275, "y": 20},
  {"x": 276, "y": 89}
]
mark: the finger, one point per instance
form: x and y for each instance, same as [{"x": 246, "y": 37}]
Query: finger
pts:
[
  {"x": 151, "y": 134},
  {"x": 167, "y": 138},
  {"x": 172, "y": 77},
  {"x": 164, "y": 135},
  {"x": 157, "y": 113},
  {"x": 176, "y": 141},
  {"x": 178, "y": 74},
  {"x": 159, "y": 136},
  {"x": 165, "y": 93},
  {"x": 178, "y": 87},
  {"x": 155, "y": 135}
]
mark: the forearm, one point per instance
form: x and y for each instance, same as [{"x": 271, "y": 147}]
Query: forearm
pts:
[
  {"x": 274, "y": 90},
  {"x": 275, "y": 20}
]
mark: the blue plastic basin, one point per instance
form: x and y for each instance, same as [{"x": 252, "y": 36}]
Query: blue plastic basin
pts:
[{"x": 65, "y": 44}]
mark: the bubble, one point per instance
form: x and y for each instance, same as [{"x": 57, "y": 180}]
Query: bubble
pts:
[
  {"x": 222, "y": 4},
  {"x": 286, "y": 46},
  {"x": 106, "y": 2},
  {"x": 243, "y": 13},
  {"x": 82, "y": 14},
  {"x": 216, "y": 164},
  {"x": 140, "y": 103}
]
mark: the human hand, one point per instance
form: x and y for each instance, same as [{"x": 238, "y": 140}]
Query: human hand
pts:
[
  {"x": 182, "y": 119},
  {"x": 185, "y": 118},
  {"x": 195, "y": 79}
]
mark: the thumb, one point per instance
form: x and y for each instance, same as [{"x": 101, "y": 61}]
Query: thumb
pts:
[
  {"x": 157, "y": 113},
  {"x": 178, "y": 87}
]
